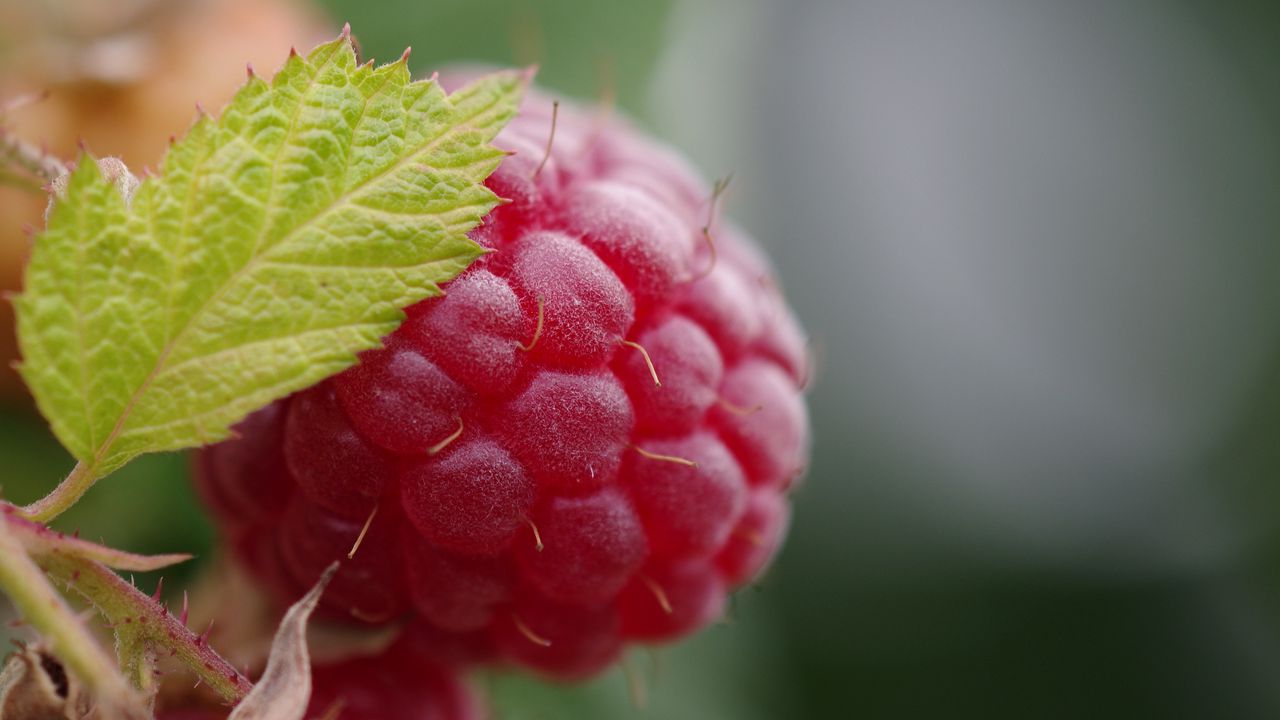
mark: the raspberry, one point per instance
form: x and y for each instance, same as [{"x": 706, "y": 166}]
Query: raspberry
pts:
[
  {"x": 470, "y": 499},
  {"x": 585, "y": 442},
  {"x": 691, "y": 373},
  {"x": 369, "y": 587},
  {"x": 398, "y": 683},
  {"x": 566, "y": 641},
  {"x": 688, "y": 510},
  {"x": 591, "y": 546},
  {"x": 393, "y": 685},
  {"x": 688, "y": 595}
]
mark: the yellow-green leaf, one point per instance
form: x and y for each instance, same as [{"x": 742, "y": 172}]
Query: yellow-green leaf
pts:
[{"x": 277, "y": 241}]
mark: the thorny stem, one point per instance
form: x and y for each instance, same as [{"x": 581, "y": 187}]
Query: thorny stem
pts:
[
  {"x": 142, "y": 622},
  {"x": 71, "y": 489},
  {"x": 46, "y": 610},
  {"x": 24, "y": 155},
  {"x": 144, "y": 628}
]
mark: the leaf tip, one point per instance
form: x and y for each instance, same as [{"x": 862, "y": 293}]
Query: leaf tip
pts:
[
  {"x": 326, "y": 576},
  {"x": 346, "y": 32}
]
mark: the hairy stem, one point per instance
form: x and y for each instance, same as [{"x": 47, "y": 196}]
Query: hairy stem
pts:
[
  {"x": 24, "y": 155},
  {"x": 143, "y": 623},
  {"x": 145, "y": 630},
  {"x": 71, "y": 489},
  {"x": 45, "y": 610}
]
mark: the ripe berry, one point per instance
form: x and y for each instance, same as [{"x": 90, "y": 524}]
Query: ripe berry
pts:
[
  {"x": 400, "y": 682},
  {"x": 393, "y": 685},
  {"x": 584, "y": 443}
]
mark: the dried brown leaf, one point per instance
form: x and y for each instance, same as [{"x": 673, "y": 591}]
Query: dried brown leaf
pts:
[
  {"x": 34, "y": 685},
  {"x": 285, "y": 687}
]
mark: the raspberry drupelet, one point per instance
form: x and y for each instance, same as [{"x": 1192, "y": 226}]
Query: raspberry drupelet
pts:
[{"x": 585, "y": 442}]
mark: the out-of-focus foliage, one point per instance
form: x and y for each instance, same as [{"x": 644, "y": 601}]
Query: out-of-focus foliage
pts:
[{"x": 586, "y": 49}]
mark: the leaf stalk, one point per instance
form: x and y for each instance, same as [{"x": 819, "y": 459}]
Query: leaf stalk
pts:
[{"x": 71, "y": 489}]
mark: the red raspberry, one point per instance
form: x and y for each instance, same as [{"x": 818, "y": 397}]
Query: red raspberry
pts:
[
  {"x": 540, "y": 498},
  {"x": 397, "y": 684},
  {"x": 400, "y": 683}
]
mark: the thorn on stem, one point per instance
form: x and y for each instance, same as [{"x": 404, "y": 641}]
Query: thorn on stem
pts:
[{"x": 23, "y": 101}]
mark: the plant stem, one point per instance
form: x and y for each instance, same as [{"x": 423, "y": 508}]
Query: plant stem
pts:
[
  {"x": 34, "y": 160},
  {"x": 71, "y": 489},
  {"x": 49, "y": 613},
  {"x": 141, "y": 622}
]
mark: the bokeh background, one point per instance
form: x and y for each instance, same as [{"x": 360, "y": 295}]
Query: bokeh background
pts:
[{"x": 1037, "y": 247}]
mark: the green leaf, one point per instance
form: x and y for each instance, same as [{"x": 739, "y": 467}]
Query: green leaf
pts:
[{"x": 277, "y": 241}]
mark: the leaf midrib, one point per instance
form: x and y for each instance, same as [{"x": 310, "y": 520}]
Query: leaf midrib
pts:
[{"x": 101, "y": 451}]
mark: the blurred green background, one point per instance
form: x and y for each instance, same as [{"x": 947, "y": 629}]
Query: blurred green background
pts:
[{"x": 1037, "y": 245}]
